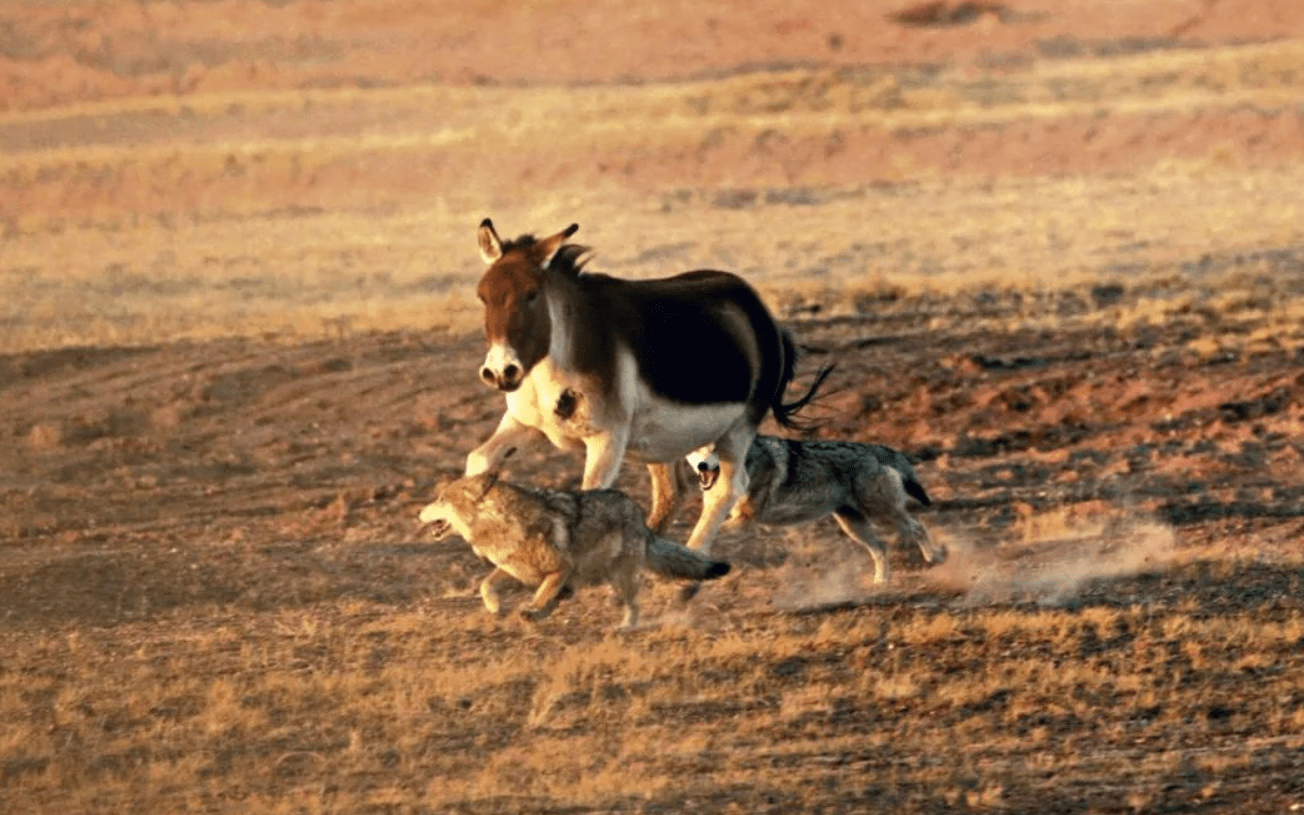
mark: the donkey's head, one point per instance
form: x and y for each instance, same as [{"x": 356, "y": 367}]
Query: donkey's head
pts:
[{"x": 516, "y": 320}]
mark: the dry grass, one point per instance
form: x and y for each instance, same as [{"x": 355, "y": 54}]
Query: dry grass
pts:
[
  {"x": 328, "y": 713},
  {"x": 321, "y": 274},
  {"x": 202, "y": 225}
]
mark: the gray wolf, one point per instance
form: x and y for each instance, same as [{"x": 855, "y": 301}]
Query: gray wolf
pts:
[
  {"x": 662, "y": 366},
  {"x": 793, "y": 482},
  {"x": 559, "y": 541}
]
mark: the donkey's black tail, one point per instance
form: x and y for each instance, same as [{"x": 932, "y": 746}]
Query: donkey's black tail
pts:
[{"x": 784, "y": 411}]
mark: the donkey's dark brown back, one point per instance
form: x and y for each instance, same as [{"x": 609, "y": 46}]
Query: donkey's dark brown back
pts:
[{"x": 698, "y": 338}]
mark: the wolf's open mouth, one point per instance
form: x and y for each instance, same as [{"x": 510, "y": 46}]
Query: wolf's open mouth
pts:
[
  {"x": 439, "y": 529},
  {"x": 706, "y": 476}
]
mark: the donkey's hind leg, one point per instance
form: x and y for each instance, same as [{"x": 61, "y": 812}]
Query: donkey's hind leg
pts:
[{"x": 858, "y": 528}]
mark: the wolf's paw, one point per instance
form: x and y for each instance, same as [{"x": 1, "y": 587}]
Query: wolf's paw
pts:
[
  {"x": 531, "y": 615},
  {"x": 936, "y": 554}
]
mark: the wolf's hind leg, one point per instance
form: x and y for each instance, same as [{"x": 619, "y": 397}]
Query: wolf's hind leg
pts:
[
  {"x": 489, "y": 592},
  {"x": 547, "y": 596},
  {"x": 912, "y": 530},
  {"x": 858, "y": 529},
  {"x": 624, "y": 590}
]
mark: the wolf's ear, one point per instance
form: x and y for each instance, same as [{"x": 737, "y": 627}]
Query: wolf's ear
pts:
[{"x": 491, "y": 246}]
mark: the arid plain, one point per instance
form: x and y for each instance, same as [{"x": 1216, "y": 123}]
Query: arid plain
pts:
[{"x": 1055, "y": 249}]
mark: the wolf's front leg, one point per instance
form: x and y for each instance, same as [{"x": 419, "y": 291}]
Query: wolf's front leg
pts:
[
  {"x": 717, "y": 503},
  {"x": 489, "y": 591},
  {"x": 547, "y": 596},
  {"x": 507, "y": 437},
  {"x": 603, "y": 454}
]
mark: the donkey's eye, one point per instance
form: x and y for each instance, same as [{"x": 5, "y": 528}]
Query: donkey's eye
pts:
[{"x": 531, "y": 296}]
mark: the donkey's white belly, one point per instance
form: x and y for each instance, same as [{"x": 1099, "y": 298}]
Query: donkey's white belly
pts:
[
  {"x": 659, "y": 430},
  {"x": 663, "y": 431}
]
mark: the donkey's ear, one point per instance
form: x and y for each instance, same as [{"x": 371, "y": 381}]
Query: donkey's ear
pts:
[
  {"x": 491, "y": 246},
  {"x": 546, "y": 248}
]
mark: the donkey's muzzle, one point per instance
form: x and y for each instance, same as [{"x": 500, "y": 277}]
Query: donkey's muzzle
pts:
[{"x": 507, "y": 381}]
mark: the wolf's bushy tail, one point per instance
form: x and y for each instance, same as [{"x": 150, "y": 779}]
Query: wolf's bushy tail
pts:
[
  {"x": 891, "y": 457},
  {"x": 916, "y": 490},
  {"x": 668, "y": 559}
]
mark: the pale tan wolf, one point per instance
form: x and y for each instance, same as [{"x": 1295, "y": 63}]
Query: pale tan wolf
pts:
[
  {"x": 559, "y": 541},
  {"x": 792, "y": 482}
]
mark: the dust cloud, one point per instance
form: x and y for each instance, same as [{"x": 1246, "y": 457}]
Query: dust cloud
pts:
[
  {"x": 1043, "y": 563},
  {"x": 1054, "y": 568}
]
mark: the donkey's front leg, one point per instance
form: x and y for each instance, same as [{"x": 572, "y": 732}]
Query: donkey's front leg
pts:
[
  {"x": 603, "y": 454},
  {"x": 507, "y": 437},
  {"x": 668, "y": 488}
]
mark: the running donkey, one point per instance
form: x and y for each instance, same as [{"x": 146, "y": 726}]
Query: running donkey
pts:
[
  {"x": 559, "y": 541},
  {"x": 662, "y": 367},
  {"x": 793, "y": 482}
]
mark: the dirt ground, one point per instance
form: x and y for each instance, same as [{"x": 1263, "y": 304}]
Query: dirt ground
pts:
[{"x": 1054, "y": 250}]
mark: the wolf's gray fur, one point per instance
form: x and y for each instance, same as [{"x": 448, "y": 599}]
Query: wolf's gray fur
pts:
[
  {"x": 792, "y": 482},
  {"x": 558, "y": 541}
]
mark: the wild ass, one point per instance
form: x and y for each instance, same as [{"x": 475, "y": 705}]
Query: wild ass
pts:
[{"x": 652, "y": 369}]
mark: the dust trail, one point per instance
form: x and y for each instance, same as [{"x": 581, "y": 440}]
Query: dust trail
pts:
[
  {"x": 836, "y": 583},
  {"x": 820, "y": 574},
  {"x": 1054, "y": 566}
]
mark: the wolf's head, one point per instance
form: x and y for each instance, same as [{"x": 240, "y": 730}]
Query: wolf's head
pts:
[
  {"x": 456, "y": 505},
  {"x": 706, "y": 463},
  {"x": 457, "y": 502}
]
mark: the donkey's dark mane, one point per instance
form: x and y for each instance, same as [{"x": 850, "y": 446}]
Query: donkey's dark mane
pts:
[
  {"x": 522, "y": 242},
  {"x": 569, "y": 259}
]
